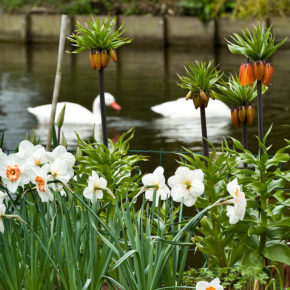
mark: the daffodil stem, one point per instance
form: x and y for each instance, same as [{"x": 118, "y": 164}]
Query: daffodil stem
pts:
[
  {"x": 245, "y": 138},
  {"x": 204, "y": 131},
  {"x": 103, "y": 107},
  {"x": 260, "y": 111}
]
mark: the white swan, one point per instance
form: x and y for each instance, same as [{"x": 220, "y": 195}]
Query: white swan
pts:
[
  {"x": 75, "y": 113},
  {"x": 182, "y": 108}
]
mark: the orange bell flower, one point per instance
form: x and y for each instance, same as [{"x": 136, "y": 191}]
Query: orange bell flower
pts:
[
  {"x": 247, "y": 74},
  {"x": 250, "y": 115},
  {"x": 268, "y": 74},
  {"x": 242, "y": 114},
  {"x": 235, "y": 118},
  {"x": 92, "y": 62},
  {"x": 259, "y": 68}
]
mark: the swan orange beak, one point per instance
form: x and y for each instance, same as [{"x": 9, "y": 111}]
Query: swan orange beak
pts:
[{"x": 116, "y": 106}]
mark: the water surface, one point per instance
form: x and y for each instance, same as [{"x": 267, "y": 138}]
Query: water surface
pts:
[{"x": 143, "y": 77}]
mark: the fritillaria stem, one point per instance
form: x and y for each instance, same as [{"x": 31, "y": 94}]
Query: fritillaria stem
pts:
[
  {"x": 103, "y": 107},
  {"x": 260, "y": 110},
  {"x": 245, "y": 138},
  {"x": 204, "y": 131}
]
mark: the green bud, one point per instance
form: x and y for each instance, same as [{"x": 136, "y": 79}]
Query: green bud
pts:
[
  {"x": 60, "y": 117},
  {"x": 63, "y": 140}
]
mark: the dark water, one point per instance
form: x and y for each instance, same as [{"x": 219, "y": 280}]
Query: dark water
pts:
[{"x": 142, "y": 78}]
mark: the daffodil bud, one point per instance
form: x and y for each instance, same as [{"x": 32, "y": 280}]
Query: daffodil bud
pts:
[
  {"x": 63, "y": 140},
  {"x": 60, "y": 118}
]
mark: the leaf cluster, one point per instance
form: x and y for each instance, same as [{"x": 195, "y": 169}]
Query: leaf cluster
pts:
[
  {"x": 98, "y": 36},
  {"x": 230, "y": 277},
  {"x": 199, "y": 76},
  {"x": 114, "y": 164},
  {"x": 234, "y": 94},
  {"x": 258, "y": 44}
]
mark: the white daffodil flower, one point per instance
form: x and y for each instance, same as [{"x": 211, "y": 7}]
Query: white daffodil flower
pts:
[
  {"x": 36, "y": 154},
  {"x": 2, "y": 155},
  {"x": 60, "y": 169},
  {"x": 2, "y": 196},
  {"x": 213, "y": 285},
  {"x": 15, "y": 171},
  {"x": 236, "y": 212},
  {"x": 157, "y": 180},
  {"x": 60, "y": 153},
  {"x": 2, "y": 212},
  {"x": 94, "y": 184},
  {"x": 40, "y": 179},
  {"x": 186, "y": 184}
]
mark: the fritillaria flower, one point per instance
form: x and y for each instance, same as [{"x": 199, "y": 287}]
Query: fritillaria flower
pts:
[
  {"x": 186, "y": 185},
  {"x": 40, "y": 180},
  {"x": 213, "y": 285},
  {"x": 157, "y": 181},
  {"x": 14, "y": 171},
  {"x": 236, "y": 212},
  {"x": 95, "y": 185}
]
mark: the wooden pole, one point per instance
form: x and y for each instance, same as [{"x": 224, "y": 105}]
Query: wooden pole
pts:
[{"x": 64, "y": 22}]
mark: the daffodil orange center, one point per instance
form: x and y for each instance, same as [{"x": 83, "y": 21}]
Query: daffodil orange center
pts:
[
  {"x": 13, "y": 172},
  {"x": 40, "y": 183},
  {"x": 210, "y": 288},
  {"x": 237, "y": 193}
]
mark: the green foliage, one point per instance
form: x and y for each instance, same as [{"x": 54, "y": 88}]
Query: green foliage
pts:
[
  {"x": 97, "y": 35},
  {"x": 211, "y": 238},
  {"x": 265, "y": 228},
  {"x": 234, "y": 94},
  {"x": 257, "y": 44},
  {"x": 119, "y": 169},
  {"x": 206, "y": 9},
  {"x": 261, "y": 9},
  {"x": 231, "y": 278},
  {"x": 200, "y": 76}
]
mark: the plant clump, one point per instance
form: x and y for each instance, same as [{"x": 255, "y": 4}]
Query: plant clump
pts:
[{"x": 101, "y": 39}]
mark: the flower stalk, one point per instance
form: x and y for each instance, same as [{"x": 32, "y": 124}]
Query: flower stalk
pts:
[
  {"x": 102, "y": 41},
  {"x": 204, "y": 131},
  {"x": 103, "y": 107},
  {"x": 260, "y": 110}
]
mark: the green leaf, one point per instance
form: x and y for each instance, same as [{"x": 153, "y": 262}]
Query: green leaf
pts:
[
  {"x": 281, "y": 223},
  {"x": 252, "y": 258},
  {"x": 278, "y": 253}
]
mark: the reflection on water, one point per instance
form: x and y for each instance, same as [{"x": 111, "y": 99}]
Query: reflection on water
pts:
[{"x": 142, "y": 78}]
